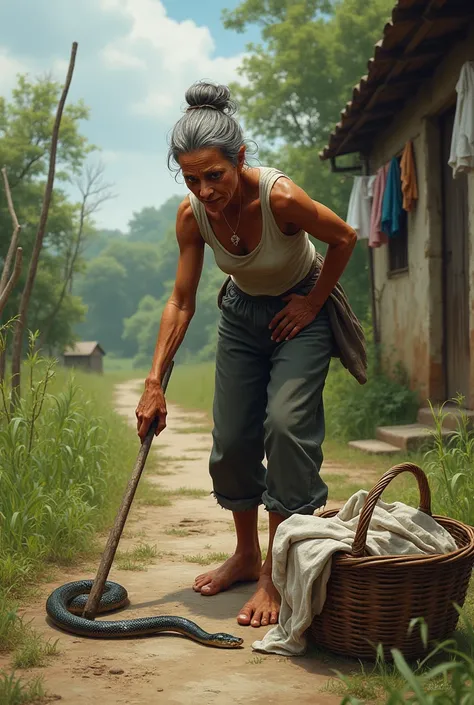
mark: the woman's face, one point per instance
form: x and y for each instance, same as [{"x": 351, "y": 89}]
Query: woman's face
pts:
[{"x": 211, "y": 177}]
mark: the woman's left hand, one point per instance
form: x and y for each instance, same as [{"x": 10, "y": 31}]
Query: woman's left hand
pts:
[{"x": 297, "y": 314}]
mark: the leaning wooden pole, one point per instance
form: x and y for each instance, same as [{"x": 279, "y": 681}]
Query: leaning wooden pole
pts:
[
  {"x": 110, "y": 550},
  {"x": 40, "y": 233}
]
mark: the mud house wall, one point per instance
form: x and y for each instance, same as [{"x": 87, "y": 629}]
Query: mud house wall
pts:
[{"x": 409, "y": 308}]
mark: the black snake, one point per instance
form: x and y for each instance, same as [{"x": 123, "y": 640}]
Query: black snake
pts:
[{"x": 66, "y": 604}]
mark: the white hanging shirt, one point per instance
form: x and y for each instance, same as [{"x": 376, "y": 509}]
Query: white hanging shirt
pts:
[
  {"x": 461, "y": 159},
  {"x": 360, "y": 206}
]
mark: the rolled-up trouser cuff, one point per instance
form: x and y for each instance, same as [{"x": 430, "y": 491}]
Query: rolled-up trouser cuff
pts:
[
  {"x": 237, "y": 505},
  {"x": 273, "y": 505}
]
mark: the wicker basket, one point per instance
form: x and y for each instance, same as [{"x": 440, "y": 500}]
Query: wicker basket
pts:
[{"x": 371, "y": 600}]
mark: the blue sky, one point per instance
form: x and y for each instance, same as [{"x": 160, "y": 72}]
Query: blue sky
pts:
[{"x": 135, "y": 60}]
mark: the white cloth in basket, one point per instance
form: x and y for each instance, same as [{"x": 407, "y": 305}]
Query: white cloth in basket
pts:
[{"x": 304, "y": 546}]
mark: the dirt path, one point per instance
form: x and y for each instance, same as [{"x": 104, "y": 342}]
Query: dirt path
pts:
[{"x": 170, "y": 669}]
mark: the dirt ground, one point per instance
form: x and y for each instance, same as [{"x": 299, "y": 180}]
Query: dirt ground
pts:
[{"x": 172, "y": 669}]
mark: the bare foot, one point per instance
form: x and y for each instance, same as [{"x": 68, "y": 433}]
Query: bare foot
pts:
[
  {"x": 263, "y": 608},
  {"x": 237, "y": 569}
]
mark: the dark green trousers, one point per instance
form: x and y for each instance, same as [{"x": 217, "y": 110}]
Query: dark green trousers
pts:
[{"x": 268, "y": 402}]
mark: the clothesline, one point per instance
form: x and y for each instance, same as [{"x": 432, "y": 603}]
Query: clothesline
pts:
[{"x": 377, "y": 201}]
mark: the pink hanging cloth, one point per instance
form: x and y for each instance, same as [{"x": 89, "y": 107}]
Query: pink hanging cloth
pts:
[{"x": 376, "y": 236}]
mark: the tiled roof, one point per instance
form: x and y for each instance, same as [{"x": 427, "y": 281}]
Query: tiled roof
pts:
[{"x": 420, "y": 33}]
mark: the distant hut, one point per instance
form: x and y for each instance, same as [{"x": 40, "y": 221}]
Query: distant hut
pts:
[{"x": 85, "y": 355}]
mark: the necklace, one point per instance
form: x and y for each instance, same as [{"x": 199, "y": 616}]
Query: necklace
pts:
[{"x": 235, "y": 239}]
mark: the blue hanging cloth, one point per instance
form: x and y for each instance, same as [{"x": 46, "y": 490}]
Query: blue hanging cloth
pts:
[{"x": 392, "y": 204}]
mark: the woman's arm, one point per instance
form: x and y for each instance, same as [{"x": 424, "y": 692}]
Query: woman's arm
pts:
[
  {"x": 294, "y": 210},
  {"x": 175, "y": 319}
]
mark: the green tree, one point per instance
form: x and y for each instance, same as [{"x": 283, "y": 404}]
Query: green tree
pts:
[
  {"x": 149, "y": 274},
  {"x": 103, "y": 291},
  {"x": 141, "y": 263},
  {"x": 199, "y": 343},
  {"x": 150, "y": 224},
  {"x": 99, "y": 239},
  {"x": 26, "y": 122}
]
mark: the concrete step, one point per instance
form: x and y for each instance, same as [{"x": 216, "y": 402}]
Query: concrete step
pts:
[
  {"x": 374, "y": 447},
  {"x": 452, "y": 414},
  {"x": 413, "y": 436}
]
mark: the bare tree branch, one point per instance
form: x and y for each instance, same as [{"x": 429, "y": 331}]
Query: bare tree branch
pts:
[
  {"x": 94, "y": 193},
  {"x": 6, "y": 283},
  {"x": 25, "y": 299},
  {"x": 15, "y": 235},
  {"x": 6, "y": 291},
  {"x": 28, "y": 166}
]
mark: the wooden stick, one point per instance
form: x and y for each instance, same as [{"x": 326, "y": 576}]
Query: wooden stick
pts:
[
  {"x": 15, "y": 275},
  {"x": 15, "y": 235},
  {"x": 20, "y": 323},
  {"x": 108, "y": 555}
]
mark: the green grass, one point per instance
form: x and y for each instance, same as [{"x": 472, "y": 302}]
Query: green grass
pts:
[
  {"x": 138, "y": 558},
  {"x": 339, "y": 452},
  {"x": 192, "y": 387},
  {"x": 122, "y": 364},
  {"x": 156, "y": 496},
  {"x": 11, "y": 625},
  {"x": 15, "y": 691},
  {"x": 34, "y": 651},
  {"x": 65, "y": 459},
  {"x": 368, "y": 686},
  {"x": 208, "y": 559},
  {"x": 178, "y": 532},
  {"x": 195, "y": 492},
  {"x": 28, "y": 648},
  {"x": 152, "y": 496}
]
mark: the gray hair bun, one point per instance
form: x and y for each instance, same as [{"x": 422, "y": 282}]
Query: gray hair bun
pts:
[
  {"x": 204, "y": 94},
  {"x": 207, "y": 123}
]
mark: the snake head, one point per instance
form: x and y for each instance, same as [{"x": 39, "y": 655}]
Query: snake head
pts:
[{"x": 226, "y": 641}]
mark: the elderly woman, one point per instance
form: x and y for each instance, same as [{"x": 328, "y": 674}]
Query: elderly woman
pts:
[{"x": 275, "y": 336}]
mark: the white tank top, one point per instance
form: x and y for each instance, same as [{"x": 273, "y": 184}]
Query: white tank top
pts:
[{"x": 278, "y": 262}]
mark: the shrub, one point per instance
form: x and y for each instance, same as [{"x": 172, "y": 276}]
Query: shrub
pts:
[
  {"x": 444, "y": 677},
  {"x": 449, "y": 467},
  {"x": 62, "y": 470},
  {"x": 353, "y": 411}
]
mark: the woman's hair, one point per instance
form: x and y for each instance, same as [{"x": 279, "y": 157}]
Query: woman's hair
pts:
[{"x": 207, "y": 122}]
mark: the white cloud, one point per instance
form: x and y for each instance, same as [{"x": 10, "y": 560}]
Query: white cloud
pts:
[
  {"x": 116, "y": 59},
  {"x": 133, "y": 67},
  {"x": 10, "y": 67},
  {"x": 175, "y": 54}
]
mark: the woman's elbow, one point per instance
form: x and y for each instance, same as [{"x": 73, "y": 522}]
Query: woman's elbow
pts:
[
  {"x": 185, "y": 306},
  {"x": 350, "y": 238}
]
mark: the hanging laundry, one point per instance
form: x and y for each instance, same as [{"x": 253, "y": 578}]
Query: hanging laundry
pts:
[
  {"x": 358, "y": 213},
  {"x": 461, "y": 158},
  {"x": 392, "y": 204},
  {"x": 408, "y": 172},
  {"x": 376, "y": 236}
]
